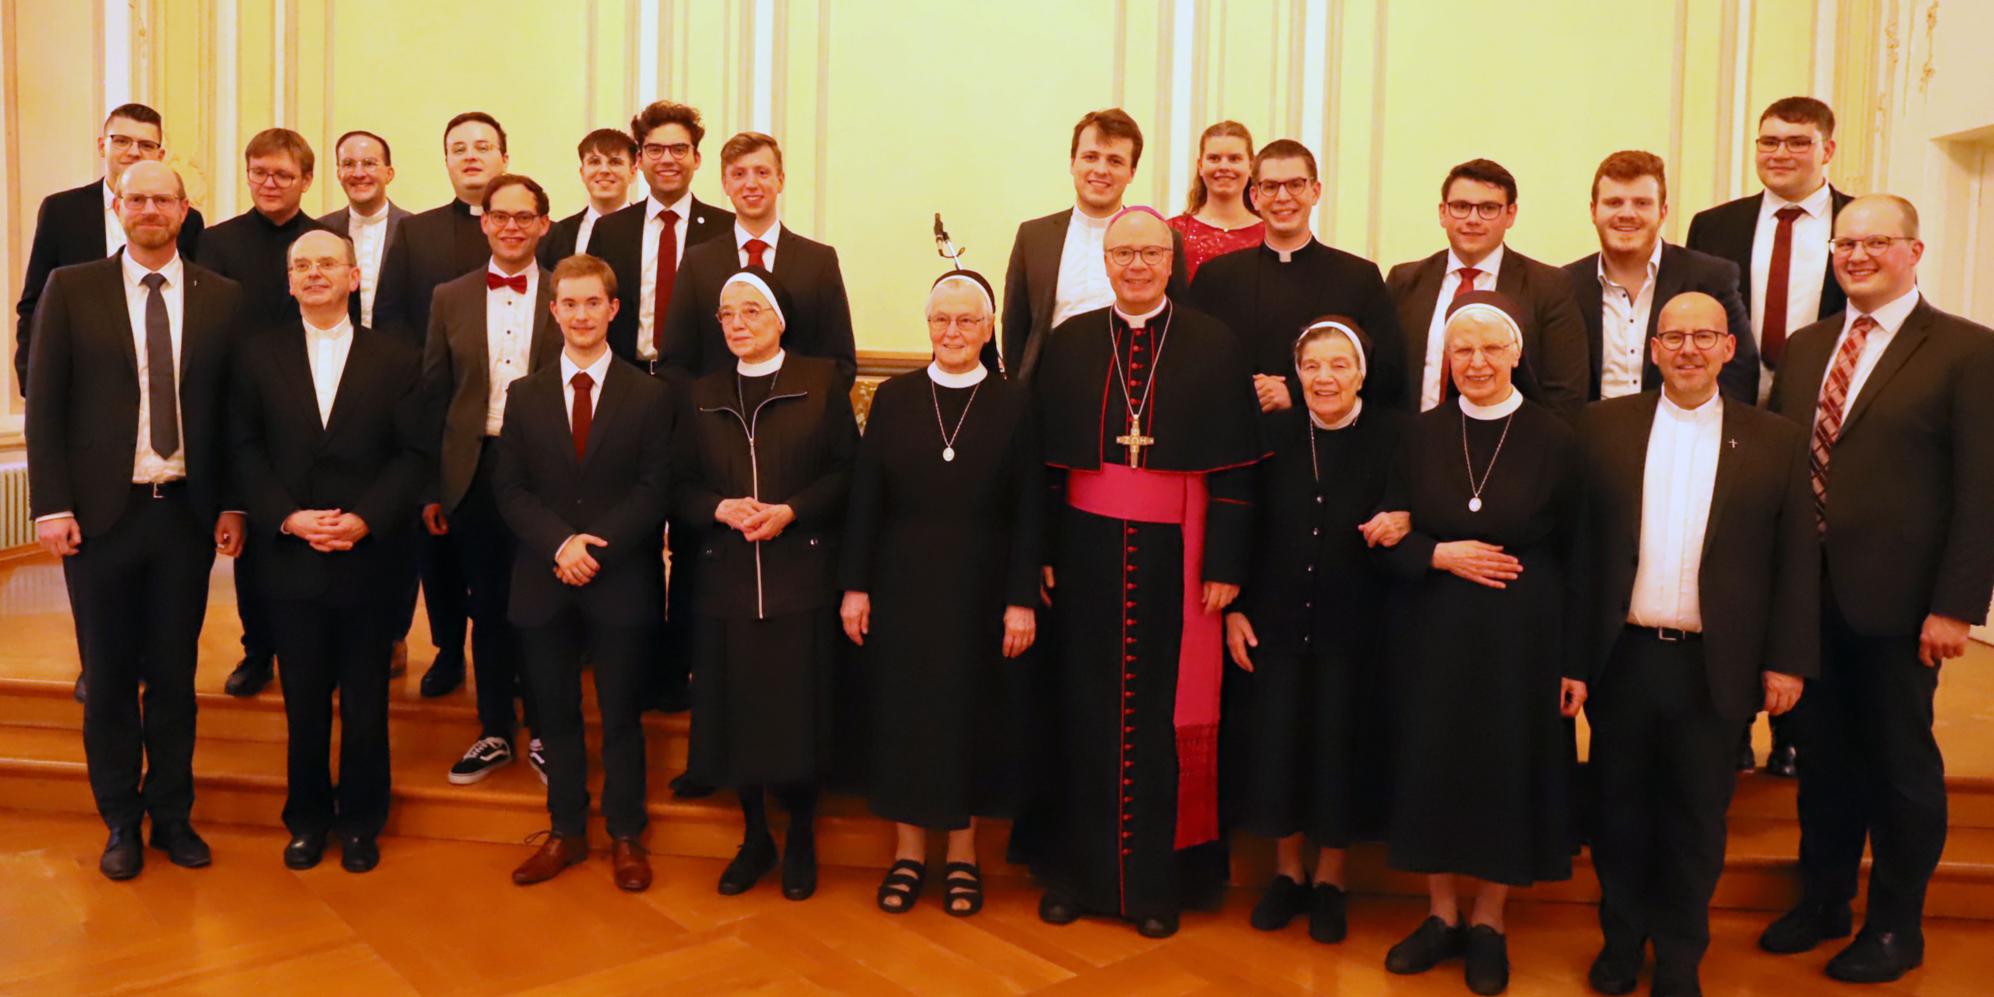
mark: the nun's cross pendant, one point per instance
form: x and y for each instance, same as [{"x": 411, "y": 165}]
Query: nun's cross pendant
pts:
[{"x": 1135, "y": 441}]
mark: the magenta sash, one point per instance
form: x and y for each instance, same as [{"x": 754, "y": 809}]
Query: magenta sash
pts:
[{"x": 1119, "y": 492}]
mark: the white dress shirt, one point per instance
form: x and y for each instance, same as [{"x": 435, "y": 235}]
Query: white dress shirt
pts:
[
  {"x": 1434, "y": 374},
  {"x": 1623, "y": 328},
  {"x": 114, "y": 230},
  {"x": 1808, "y": 268},
  {"x": 596, "y": 371},
  {"x": 587, "y": 229},
  {"x": 1083, "y": 273},
  {"x": 772, "y": 236},
  {"x": 326, "y": 350},
  {"x": 509, "y": 318},
  {"x": 1889, "y": 319},
  {"x": 647, "y": 283},
  {"x": 370, "y": 240},
  {"x": 1675, "y": 510},
  {"x": 149, "y": 467}
]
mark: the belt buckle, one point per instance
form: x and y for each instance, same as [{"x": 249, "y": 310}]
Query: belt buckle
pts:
[
  {"x": 156, "y": 492},
  {"x": 1670, "y": 635},
  {"x": 651, "y": 367}
]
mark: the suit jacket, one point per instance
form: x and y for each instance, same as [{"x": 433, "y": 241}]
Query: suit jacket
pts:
[
  {"x": 618, "y": 240},
  {"x": 1682, "y": 270},
  {"x": 69, "y": 229},
  {"x": 456, "y": 377},
  {"x": 82, "y": 420},
  {"x": 369, "y": 458},
  {"x": 1031, "y": 291},
  {"x": 249, "y": 250},
  {"x": 1758, "y": 579},
  {"x": 820, "y": 316},
  {"x": 428, "y": 249},
  {"x": 1910, "y": 482},
  {"x": 1728, "y": 231},
  {"x": 619, "y": 491},
  {"x": 561, "y": 240},
  {"x": 1552, "y": 373},
  {"x": 342, "y": 220}
]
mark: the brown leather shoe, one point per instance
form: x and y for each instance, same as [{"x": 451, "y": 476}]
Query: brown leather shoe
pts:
[
  {"x": 556, "y": 853},
  {"x": 631, "y": 864}
]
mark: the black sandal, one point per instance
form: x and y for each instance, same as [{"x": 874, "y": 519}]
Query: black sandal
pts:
[
  {"x": 962, "y": 881},
  {"x": 905, "y": 885}
]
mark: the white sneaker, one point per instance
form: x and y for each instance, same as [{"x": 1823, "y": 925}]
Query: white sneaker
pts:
[{"x": 485, "y": 756}]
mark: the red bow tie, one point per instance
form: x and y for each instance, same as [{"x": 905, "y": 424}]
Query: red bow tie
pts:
[{"x": 517, "y": 282}]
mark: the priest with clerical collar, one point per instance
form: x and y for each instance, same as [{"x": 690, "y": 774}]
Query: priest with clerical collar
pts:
[{"x": 1150, "y": 427}]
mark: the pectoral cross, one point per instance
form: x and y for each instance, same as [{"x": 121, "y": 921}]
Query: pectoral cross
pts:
[{"x": 1135, "y": 441}]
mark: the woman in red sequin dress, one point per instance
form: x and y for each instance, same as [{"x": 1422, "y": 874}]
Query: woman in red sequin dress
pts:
[{"x": 1216, "y": 217}]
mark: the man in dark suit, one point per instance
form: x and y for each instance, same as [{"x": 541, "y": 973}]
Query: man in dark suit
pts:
[
  {"x": 369, "y": 220},
  {"x": 488, "y": 329},
  {"x": 582, "y": 481},
  {"x": 80, "y": 225},
  {"x": 1779, "y": 240},
  {"x": 430, "y": 248},
  {"x": 1621, "y": 288},
  {"x": 1056, "y": 269},
  {"x": 127, "y": 476},
  {"x": 609, "y": 163},
  {"x": 1701, "y": 576},
  {"x": 1895, "y": 393},
  {"x": 328, "y": 428},
  {"x": 1477, "y": 207}
]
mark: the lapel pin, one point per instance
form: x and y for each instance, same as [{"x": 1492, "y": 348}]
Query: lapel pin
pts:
[{"x": 1734, "y": 444}]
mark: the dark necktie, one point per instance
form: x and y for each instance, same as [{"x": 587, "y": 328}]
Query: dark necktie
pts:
[
  {"x": 495, "y": 281},
  {"x": 1772, "y": 332},
  {"x": 583, "y": 412},
  {"x": 159, "y": 381},
  {"x": 1831, "y": 408},
  {"x": 755, "y": 248},
  {"x": 668, "y": 269}
]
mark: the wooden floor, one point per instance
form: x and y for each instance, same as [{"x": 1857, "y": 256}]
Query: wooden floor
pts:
[{"x": 442, "y": 918}]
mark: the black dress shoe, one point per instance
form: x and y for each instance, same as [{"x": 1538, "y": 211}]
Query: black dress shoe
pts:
[
  {"x": 358, "y": 852},
  {"x": 1487, "y": 970},
  {"x": 1284, "y": 899},
  {"x": 1328, "y": 922},
  {"x": 445, "y": 674},
  {"x": 77, "y": 690},
  {"x": 799, "y": 868},
  {"x": 1157, "y": 927},
  {"x": 1675, "y": 985},
  {"x": 182, "y": 846},
  {"x": 1878, "y": 957},
  {"x": 1428, "y": 944},
  {"x": 673, "y": 700},
  {"x": 123, "y": 858},
  {"x": 685, "y": 787},
  {"x": 1746, "y": 761},
  {"x": 750, "y": 864},
  {"x": 1056, "y": 909},
  {"x": 1806, "y": 926},
  {"x": 1616, "y": 970},
  {"x": 251, "y": 675},
  {"x": 1784, "y": 761},
  {"x": 305, "y": 850}
]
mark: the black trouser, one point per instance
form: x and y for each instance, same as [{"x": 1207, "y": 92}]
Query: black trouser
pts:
[
  {"x": 327, "y": 647},
  {"x": 252, "y": 604},
  {"x": 434, "y": 567},
  {"x": 620, "y": 656},
  {"x": 1870, "y": 769},
  {"x": 484, "y": 548},
  {"x": 1662, "y": 758},
  {"x": 141, "y": 590}
]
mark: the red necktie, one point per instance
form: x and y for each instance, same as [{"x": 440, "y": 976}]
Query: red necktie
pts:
[
  {"x": 494, "y": 281},
  {"x": 1829, "y": 411},
  {"x": 668, "y": 269},
  {"x": 755, "y": 248},
  {"x": 1772, "y": 332},
  {"x": 1468, "y": 275},
  {"x": 583, "y": 411}
]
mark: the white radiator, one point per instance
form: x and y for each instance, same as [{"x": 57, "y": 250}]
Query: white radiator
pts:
[{"x": 17, "y": 528}]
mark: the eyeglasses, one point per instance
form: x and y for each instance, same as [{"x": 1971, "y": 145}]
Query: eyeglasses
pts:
[
  {"x": 482, "y": 148},
  {"x": 1467, "y": 354},
  {"x": 659, "y": 150},
  {"x": 144, "y": 201},
  {"x": 146, "y": 147},
  {"x": 1705, "y": 339},
  {"x": 301, "y": 268},
  {"x": 1489, "y": 210},
  {"x": 1122, "y": 256},
  {"x": 1295, "y": 186},
  {"x": 941, "y": 323},
  {"x": 360, "y": 165},
  {"x": 1793, "y": 143},
  {"x": 258, "y": 176},
  {"x": 503, "y": 218},
  {"x": 747, "y": 313},
  {"x": 1874, "y": 245}
]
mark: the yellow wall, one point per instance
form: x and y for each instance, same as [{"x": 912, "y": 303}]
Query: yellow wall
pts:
[{"x": 891, "y": 111}]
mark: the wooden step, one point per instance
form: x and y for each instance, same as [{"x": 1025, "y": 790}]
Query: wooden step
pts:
[{"x": 242, "y": 782}]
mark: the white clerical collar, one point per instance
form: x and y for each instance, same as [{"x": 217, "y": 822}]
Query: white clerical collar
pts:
[
  {"x": 343, "y": 327},
  {"x": 1085, "y": 220},
  {"x": 1288, "y": 255},
  {"x": 1356, "y": 409},
  {"x": 596, "y": 371},
  {"x": 968, "y": 379},
  {"x": 135, "y": 271},
  {"x": 1138, "y": 321},
  {"x": 763, "y": 369},
  {"x": 1497, "y": 411},
  {"x": 355, "y": 217},
  {"x": 1889, "y": 317},
  {"x": 1816, "y": 204},
  {"x": 742, "y": 235},
  {"x": 1711, "y": 409},
  {"x": 1491, "y": 264},
  {"x": 654, "y": 207}
]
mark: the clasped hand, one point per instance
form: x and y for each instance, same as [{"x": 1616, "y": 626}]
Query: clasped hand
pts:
[
  {"x": 754, "y": 519},
  {"x": 326, "y": 530},
  {"x": 574, "y": 563}
]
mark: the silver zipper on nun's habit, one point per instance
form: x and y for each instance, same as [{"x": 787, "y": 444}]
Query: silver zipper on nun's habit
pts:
[{"x": 755, "y": 477}]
